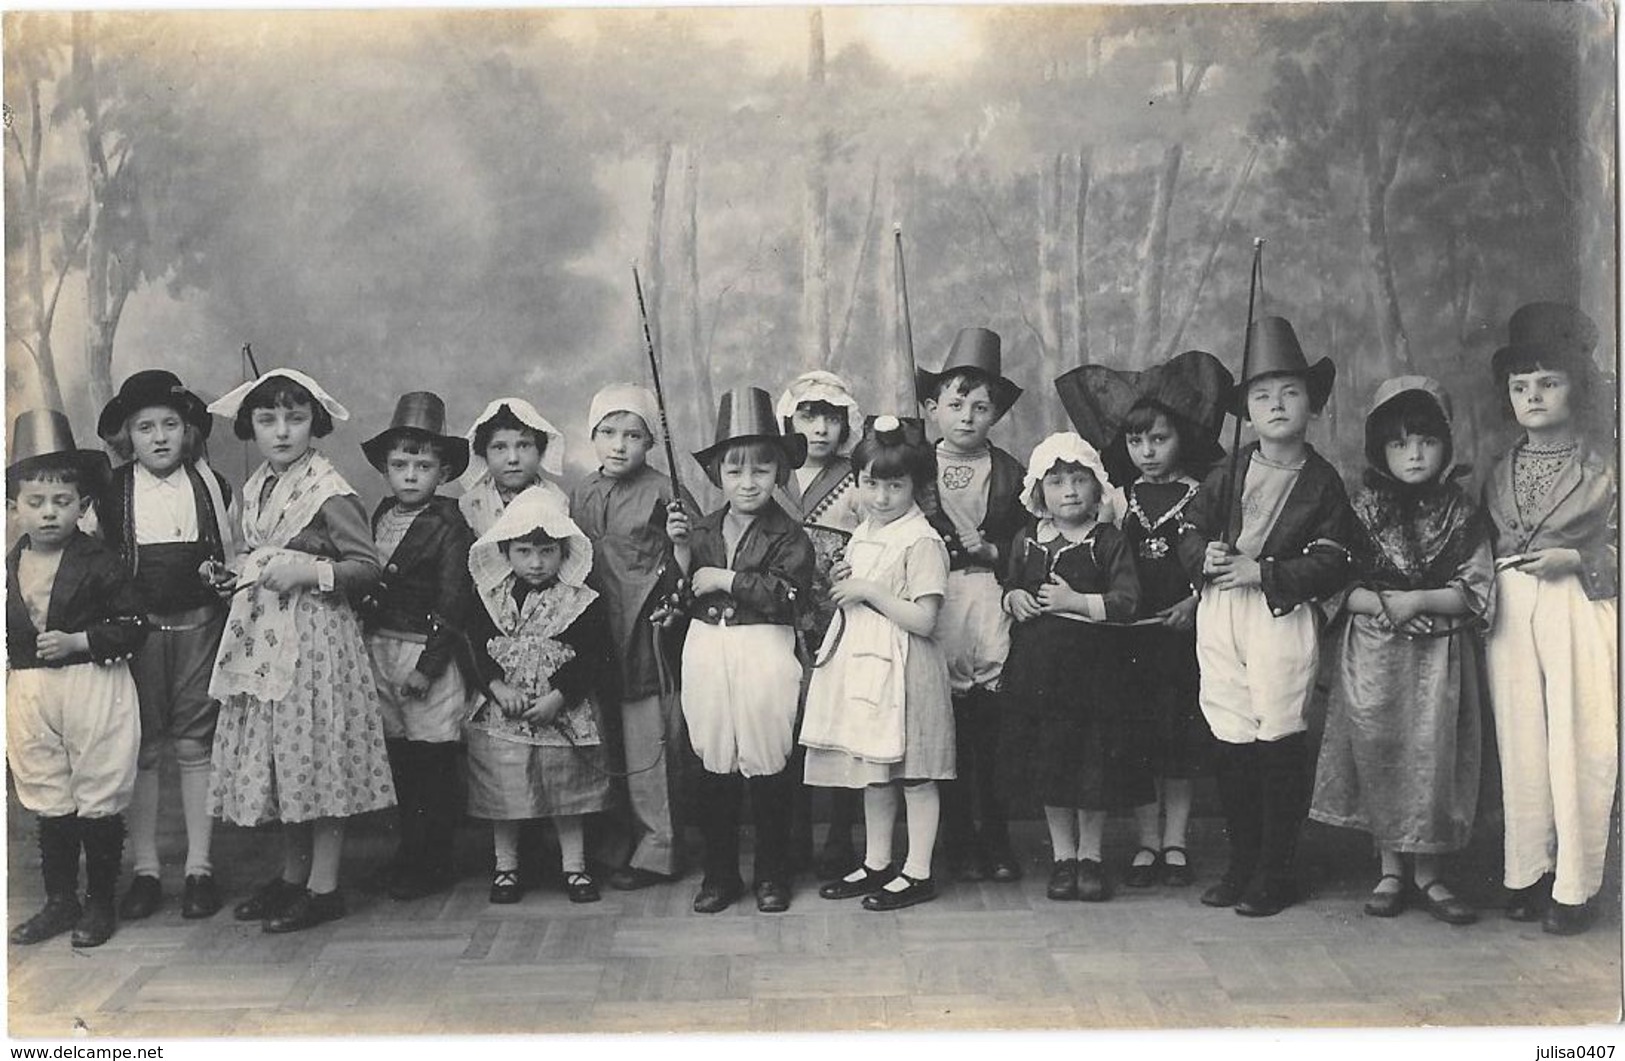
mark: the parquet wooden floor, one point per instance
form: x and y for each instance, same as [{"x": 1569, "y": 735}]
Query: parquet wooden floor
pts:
[{"x": 982, "y": 956}]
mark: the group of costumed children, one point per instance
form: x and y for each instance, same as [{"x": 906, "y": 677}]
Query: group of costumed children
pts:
[{"x": 907, "y": 625}]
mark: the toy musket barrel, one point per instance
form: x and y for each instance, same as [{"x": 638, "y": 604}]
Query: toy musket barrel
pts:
[
  {"x": 905, "y": 324},
  {"x": 1255, "y": 280},
  {"x": 660, "y": 391}
]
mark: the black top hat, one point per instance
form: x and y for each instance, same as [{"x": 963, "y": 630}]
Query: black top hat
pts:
[
  {"x": 975, "y": 350},
  {"x": 1191, "y": 389},
  {"x": 149, "y": 387},
  {"x": 41, "y": 433},
  {"x": 419, "y": 414},
  {"x": 1555, "y": 334},
  {"x": 745, "y": 414},
  {"x": 1274, "y": 351}
]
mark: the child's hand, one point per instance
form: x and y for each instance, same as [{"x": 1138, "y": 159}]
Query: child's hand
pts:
[
  {"x": 854, "y": 591},
  {"x": 977, "y": 546},
  {"x": 510, "y": 700},
  {"x": 53, "y": 645},
  {"x": 840, "y": 570},
  {"x": 284, "y": 573},
  {"x": 1551, "y": 563},
  {"x": 1022, "y": 605},
  {"x": 712, "y": 580},
  {"x": 1400, "y": 607},
  {"x": 1056, "y": 596},
  {"x": 1215, "y": 558},
  {"x": 678, "y": 527},
  {"x": 1236, "y": 571},
  {"x": 546, "y": 708},
  {"x": 1181, "y": 616},
  {"x": 415, "y": 685}
]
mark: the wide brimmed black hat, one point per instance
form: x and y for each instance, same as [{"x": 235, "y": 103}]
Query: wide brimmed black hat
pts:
[
  {"x": 147, "y": 388},
  {"x": 1555, "y": 334},
  {"x": 422, "y": 415},
  {"x": 1274, "y": 351},
  {"x": 975, "y": 350},
  {"x": 745, "y": 414},
  {"x": 1191, "y": 389},
  {"x": 45, "y": 433}
]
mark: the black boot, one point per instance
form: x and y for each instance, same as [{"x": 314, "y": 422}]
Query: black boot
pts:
[
  {"x": 1236, "y": 771},
  {"x": 404, "y": 773},
  {"x": 966, "y": 861},
  {"x": 103, "y": 841},
  {"x": 718, "y": 798},
  {"x": 772, "y": 806},
  {"x": 59, "y": 865},
  {"x": 435, "y": 828},
  {"x": 1283, "y": 771}
]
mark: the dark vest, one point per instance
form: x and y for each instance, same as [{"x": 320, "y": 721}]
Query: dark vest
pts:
[{"x": 166, "y": 575}]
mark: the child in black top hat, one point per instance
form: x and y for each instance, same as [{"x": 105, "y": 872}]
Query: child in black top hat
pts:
[
  {"x": 1270, "y": 541},
  {"x": 413, "y": 619},
  {"x": 1553, "y": 650},
  {"x": 72, "y": 727},
  {"x": 979, "y": 497},
  {"x": 167, "y": 517},
  {"x": 1158, "y": 432},
  {"x": 750, "y": 568}
]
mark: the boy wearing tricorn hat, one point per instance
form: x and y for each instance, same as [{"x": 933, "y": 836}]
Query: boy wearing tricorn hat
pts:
[
  {"x": 1553, "y": 650},
  {"x": 166, "y": 517},
  {"x": 979, "y": 487},
  {"x": 72, "y": 724},
  {"x": 1276, "y": 525},
  {"x": 411, "y": 620}
]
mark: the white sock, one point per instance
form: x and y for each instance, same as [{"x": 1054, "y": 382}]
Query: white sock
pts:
[
  {"x": 572, "y": 830},
  {"x": 1091, "y": 830},
  {"x": 199, "y": 823},
  {"x": 924, "y": 809},
  {"x": 505, "y": 845},
  {"x": 143, "y": 823},
  {"x": 326, "y": 849},
  {"x": 1063, "y": 832},
  {"x": 879, "y": 822}
]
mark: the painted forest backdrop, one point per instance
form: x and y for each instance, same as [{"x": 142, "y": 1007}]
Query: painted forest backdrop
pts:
[{"x": 451, "y": 201}]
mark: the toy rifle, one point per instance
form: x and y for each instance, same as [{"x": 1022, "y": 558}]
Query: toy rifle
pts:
[
  {"x": 1254, "y": 282},
  {"x": 660, "y": 392}
]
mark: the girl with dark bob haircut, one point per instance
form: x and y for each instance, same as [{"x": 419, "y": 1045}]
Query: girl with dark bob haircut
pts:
[
  {"x": 896, "y": 459},
  {"x": 280, "y": 392}
]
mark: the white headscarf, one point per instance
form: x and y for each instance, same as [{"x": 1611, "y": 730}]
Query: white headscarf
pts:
[
  {"x": 227, "y": 404},
  {"x": 625, "y": 398},
  {"x": 532, "y": 509},
  {"x": 525, "y": 413},
  {"x": 826, "y": 387},
  {"x": 1069, "y": 447}
]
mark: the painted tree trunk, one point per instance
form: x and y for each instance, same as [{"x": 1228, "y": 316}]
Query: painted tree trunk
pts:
[
  {"x": 1154, "y": 259},
  {"x": 689, "y": 248},
  {"x": 815, "y": 207},
  {"x": 654, "y": 275},
  {"x": 1171, "y": 347},
  {"x": 1051, "y": 179},
  {"x": 1080, "y": 285}
]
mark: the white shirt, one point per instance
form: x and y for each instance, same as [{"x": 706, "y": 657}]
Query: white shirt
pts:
[{"x": 165, "y": 509}]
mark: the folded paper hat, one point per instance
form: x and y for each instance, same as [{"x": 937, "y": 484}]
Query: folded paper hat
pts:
[
  {"x": 147, "y": 388},
  {"x": 745, "y": 414},
  {"x": 976, "y": 350},
  {"x": 422, "y": 415}
]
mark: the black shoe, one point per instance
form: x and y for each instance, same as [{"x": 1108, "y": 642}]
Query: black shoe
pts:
[
  {"x": 1265, "y": 900},
  {"x": 581, "y": 888},
  {"x": 1565, "y": 919},
  {"x": 1092, "y": 886},
  {"x": 1003, "y": 868},
  {"x": 413, "y": 884},
  {"x": 1225, "y": 893},
  {"x": 772, "y": 897},
  {"x": 918, "y": 891},
  {"x": 1138, "y": 876},
  {"x": 871, "y": 881},
  {"x": 631, "y": 879},
  {"x": 1438, "y": 900},
  {"x": 1063, "y": 880},
  {"x": 307, "y": 911},
  {"x": 142, "y": 900},
  {"x": 268, "y": 900},
  {"x": 59, "y": 914},
  {"x": 714, "y": 898},
  {"x": 1527, "y": 904},
  {"x": 1387, "y": 904},
  {"x": 1180, "y": 874},
  {"x": 96, "y": 923},
  {"x": 505, "y": 887},
  {"x": 199, "y": 897}
]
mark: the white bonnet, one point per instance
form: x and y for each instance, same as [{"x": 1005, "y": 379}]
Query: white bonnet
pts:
[
  {"x": 227, "y": 404},
  {"x": 625, "y": 398},
  {"x": 525, "y": 413},
  {"x": 1069, "y": 447}
]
